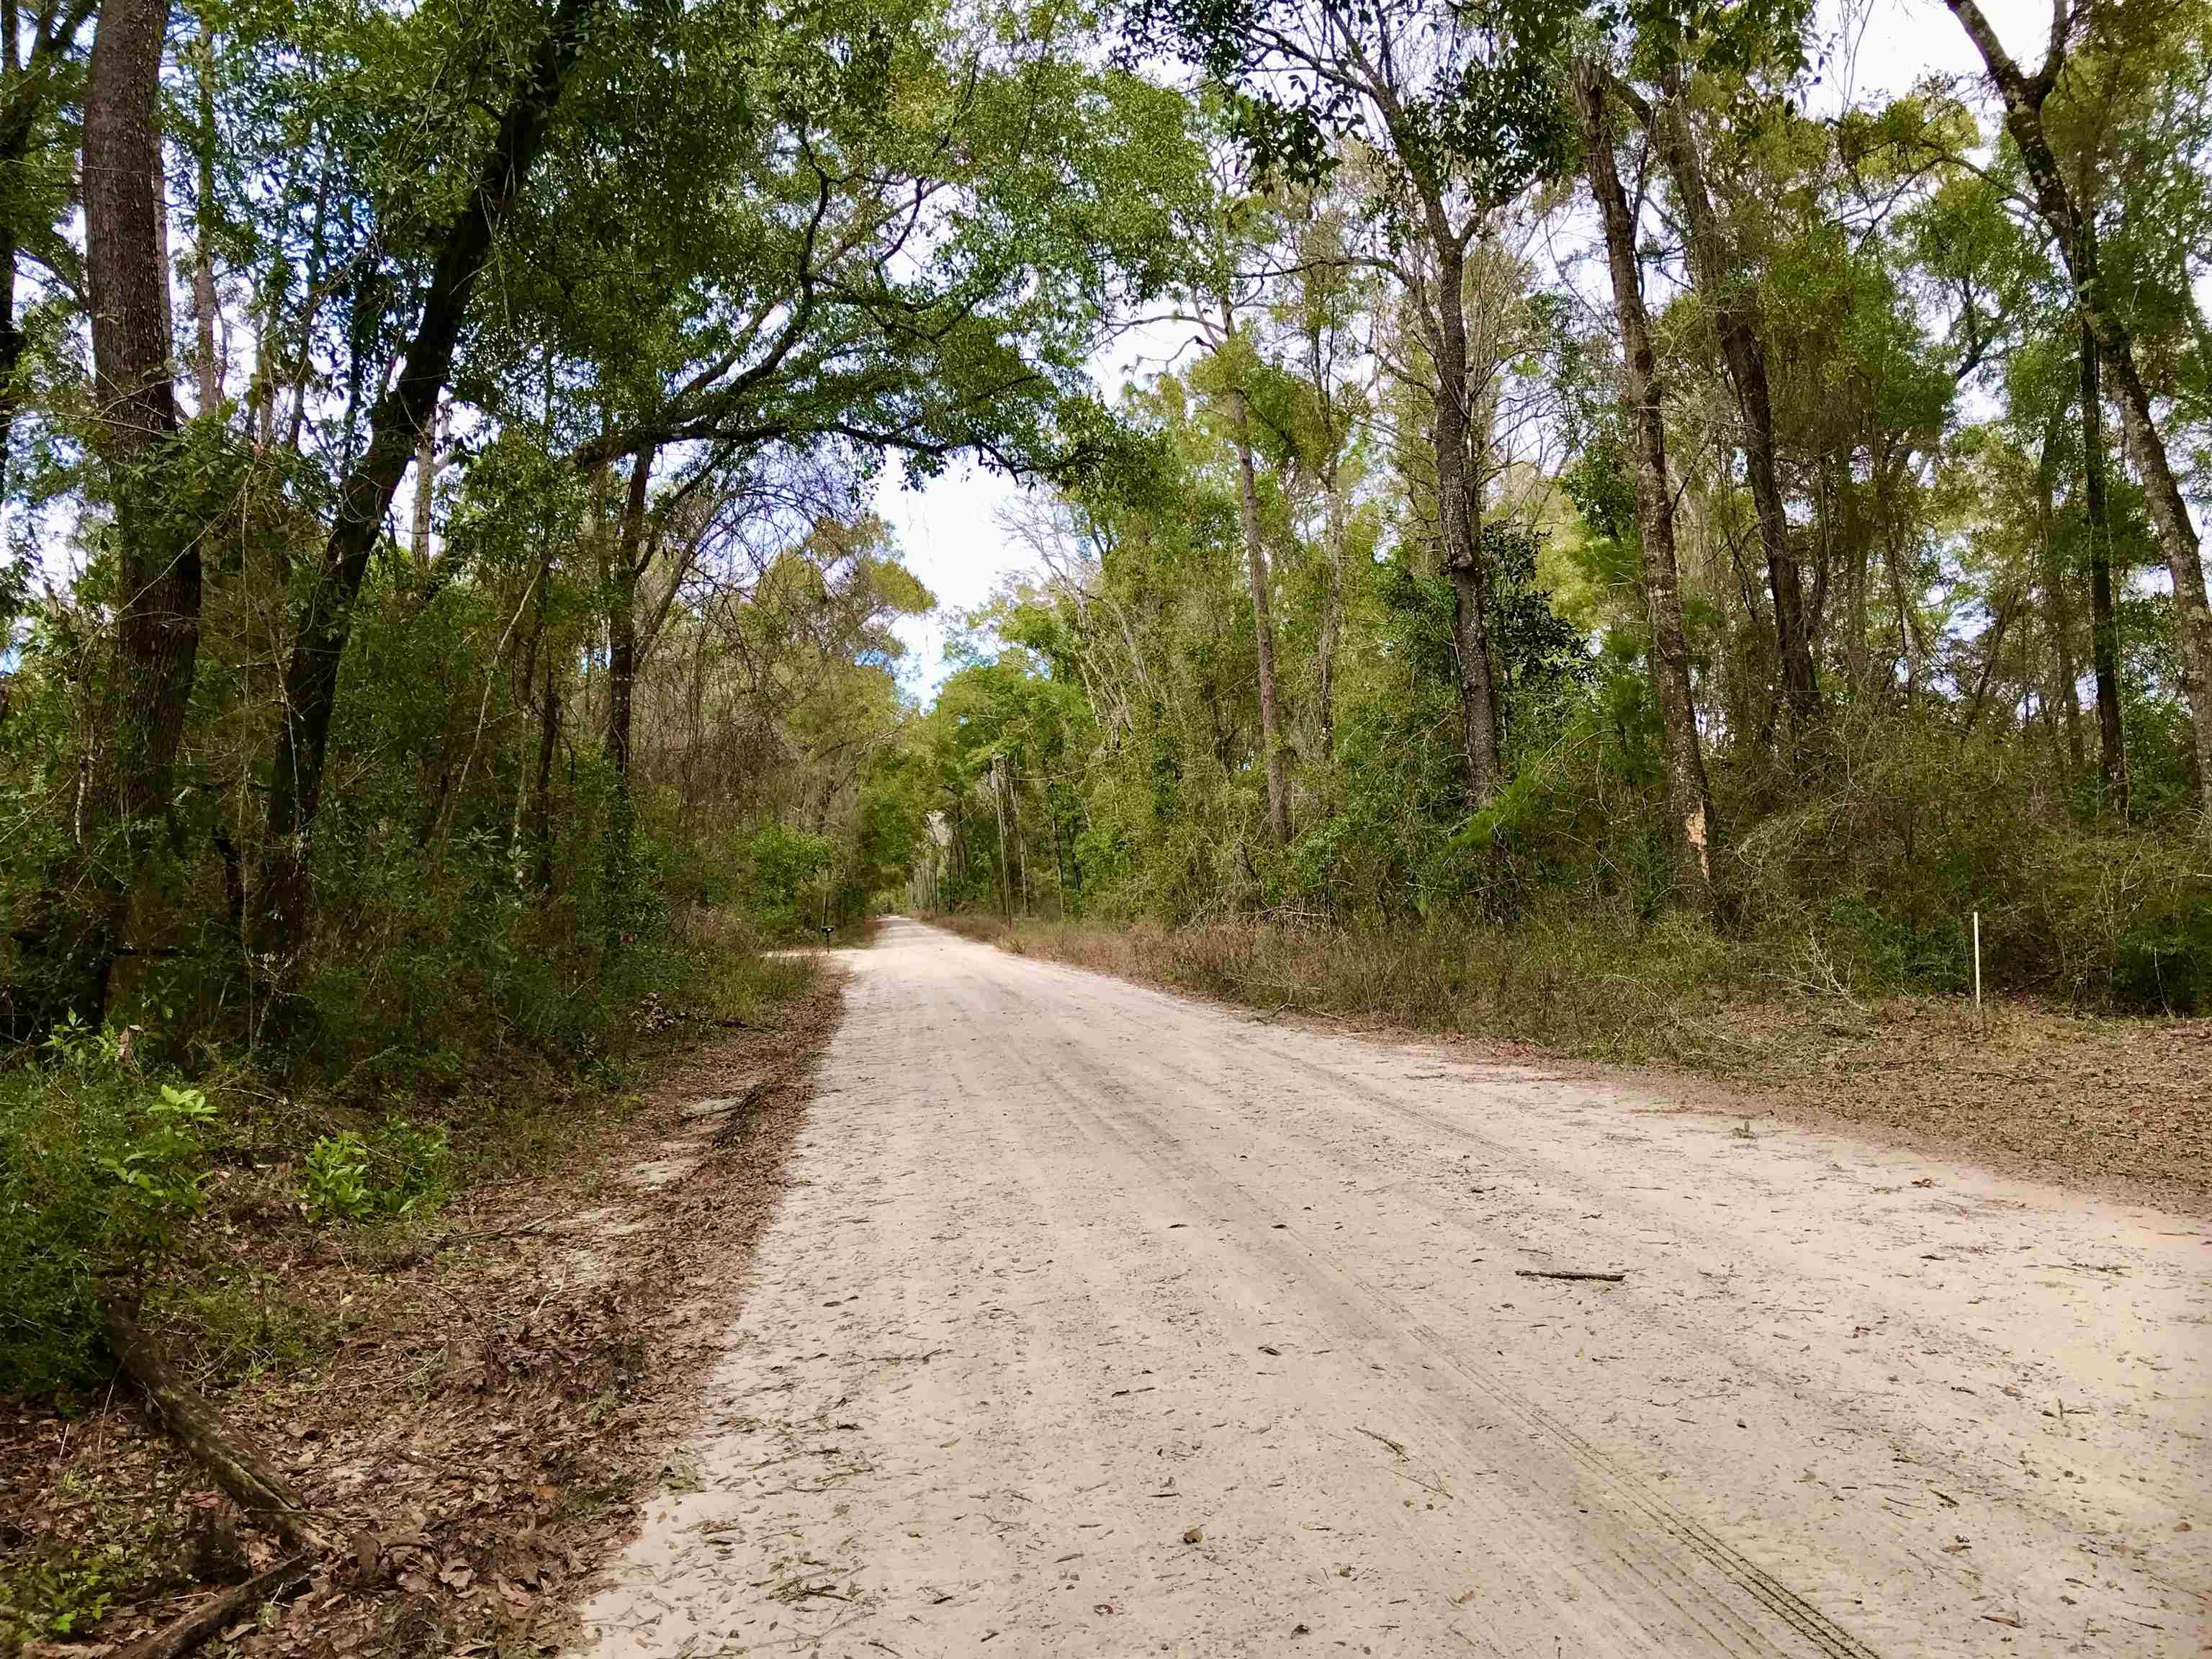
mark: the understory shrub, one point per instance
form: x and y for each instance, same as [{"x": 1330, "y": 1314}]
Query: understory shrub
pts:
[
  {"x": 56, "y": 1596},
  {"x": 1861, "y": 873},
  {"x": 105, "y": 1150},
  {"x": 99, "y": 1165},
  {"x": 2120, "y": 920},
  {"x": 398, "y": 1170}
]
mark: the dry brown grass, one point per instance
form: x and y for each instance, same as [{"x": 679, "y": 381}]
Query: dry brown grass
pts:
[
  {"x": 2123, "y": 1104},
  {"x": 1561, "y": 989}
]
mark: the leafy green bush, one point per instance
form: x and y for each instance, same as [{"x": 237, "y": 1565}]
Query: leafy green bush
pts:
[
  {"x": 414, "y": 1166},
  {"x": 98, "y": 1165},
  {"x": 2120, "y": 919},
  {"x": 337, "y": 1184},
  {"x": 58, "y": 1587},
  {"x": 400, "y": 1170},
  {"x": 1878, "y": 869},
  {"x": 52, "y": 1596},
  {"x": 784, "y": 879}
]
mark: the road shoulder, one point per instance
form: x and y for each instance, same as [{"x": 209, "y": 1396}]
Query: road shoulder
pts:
[
  {"x": 499, "y": 1393},
  {"x": 2121, "y": 1107}
]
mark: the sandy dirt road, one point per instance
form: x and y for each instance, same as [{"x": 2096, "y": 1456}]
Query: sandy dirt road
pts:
[{"x": 1100, "y": 1321}]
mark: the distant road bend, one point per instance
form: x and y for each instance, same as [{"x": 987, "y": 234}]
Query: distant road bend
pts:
[{"x": 1098, "y": 1320}]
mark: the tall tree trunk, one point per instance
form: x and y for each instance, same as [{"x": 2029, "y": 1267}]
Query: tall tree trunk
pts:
[
  {"x": 622, "y": 617},
  {"x": 1059, "y": 868},
  {"x": 2058, "y": 613},
  {"x": 624, "y": 572},
  {"x": 1689, "y": 806},
  {"x": 1005, "y": 870},
  {"x": 2104, "y": 619},
  {"x": 157, "y": 632},
  {"x": 1858, "y": 554},
  {"x": 1263, "y": 626},
  {"x": 1332, "y": 625},
  {"x": 2073, "y": 227},
  {"x": 11, "y": 336},
  {"x": 1333, "y": 530},
  {"x": 426, "y": 490},
  {"x": 1458, "y": 516},
  {"x": 311, "y": 675},
  {"x": 162, "y": 252},
  {"x": 210, "y": 360},
  {"x": 1010, "y": 783},
  {"x": 260, "y": 385},
  {"x": 1729, "y": 295},
  {"x": 14, "y": 145},
  {"x": 541, "y": 801}
]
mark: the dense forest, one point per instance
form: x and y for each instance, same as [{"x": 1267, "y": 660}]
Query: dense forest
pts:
[
  {"x": 1607, "y": 486},
  {"x": 1622, "y": 507}
]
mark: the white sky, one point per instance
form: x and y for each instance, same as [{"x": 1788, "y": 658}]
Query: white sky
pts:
[{"x": 949, "y": 529}]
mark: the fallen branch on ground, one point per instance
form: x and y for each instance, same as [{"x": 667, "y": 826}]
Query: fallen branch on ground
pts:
[
  {"x": 422, "y": 1252},
  {"x": 489, "y": 1233},
  {"x": 745, "y": 1101},
  {"x": 252, "y": 1482},
  {"x": 739, "y": 1122},
  {"x": 1533, "y": 1273},
  {"x": 187, "y": 1630}
]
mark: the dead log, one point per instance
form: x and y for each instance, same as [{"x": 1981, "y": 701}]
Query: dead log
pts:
[
  {"x": 252, "y": 1482},
  {"x": 187, "y": 1630}
]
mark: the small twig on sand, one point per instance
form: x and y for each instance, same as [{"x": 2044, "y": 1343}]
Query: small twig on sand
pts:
[
  {"x": 1384, "y": 1438},
  {"x": 1424, "y": 1485},
  {"x": 1535, "y": 1272}
]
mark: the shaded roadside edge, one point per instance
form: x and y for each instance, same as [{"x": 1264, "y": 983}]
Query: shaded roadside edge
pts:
[{"x": 503, "y": 1398}]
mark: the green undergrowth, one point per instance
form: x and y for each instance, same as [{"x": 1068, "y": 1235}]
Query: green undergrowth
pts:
[
  {"x": 133, "y": 1174},
  {"x": 60, "y": 1586},
  {"x": 240, "y": 1324},
  {"x": 1551, "y": 917}
]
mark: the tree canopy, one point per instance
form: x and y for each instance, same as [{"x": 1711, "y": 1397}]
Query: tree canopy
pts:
[{"x": 1599, "y": 468}]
